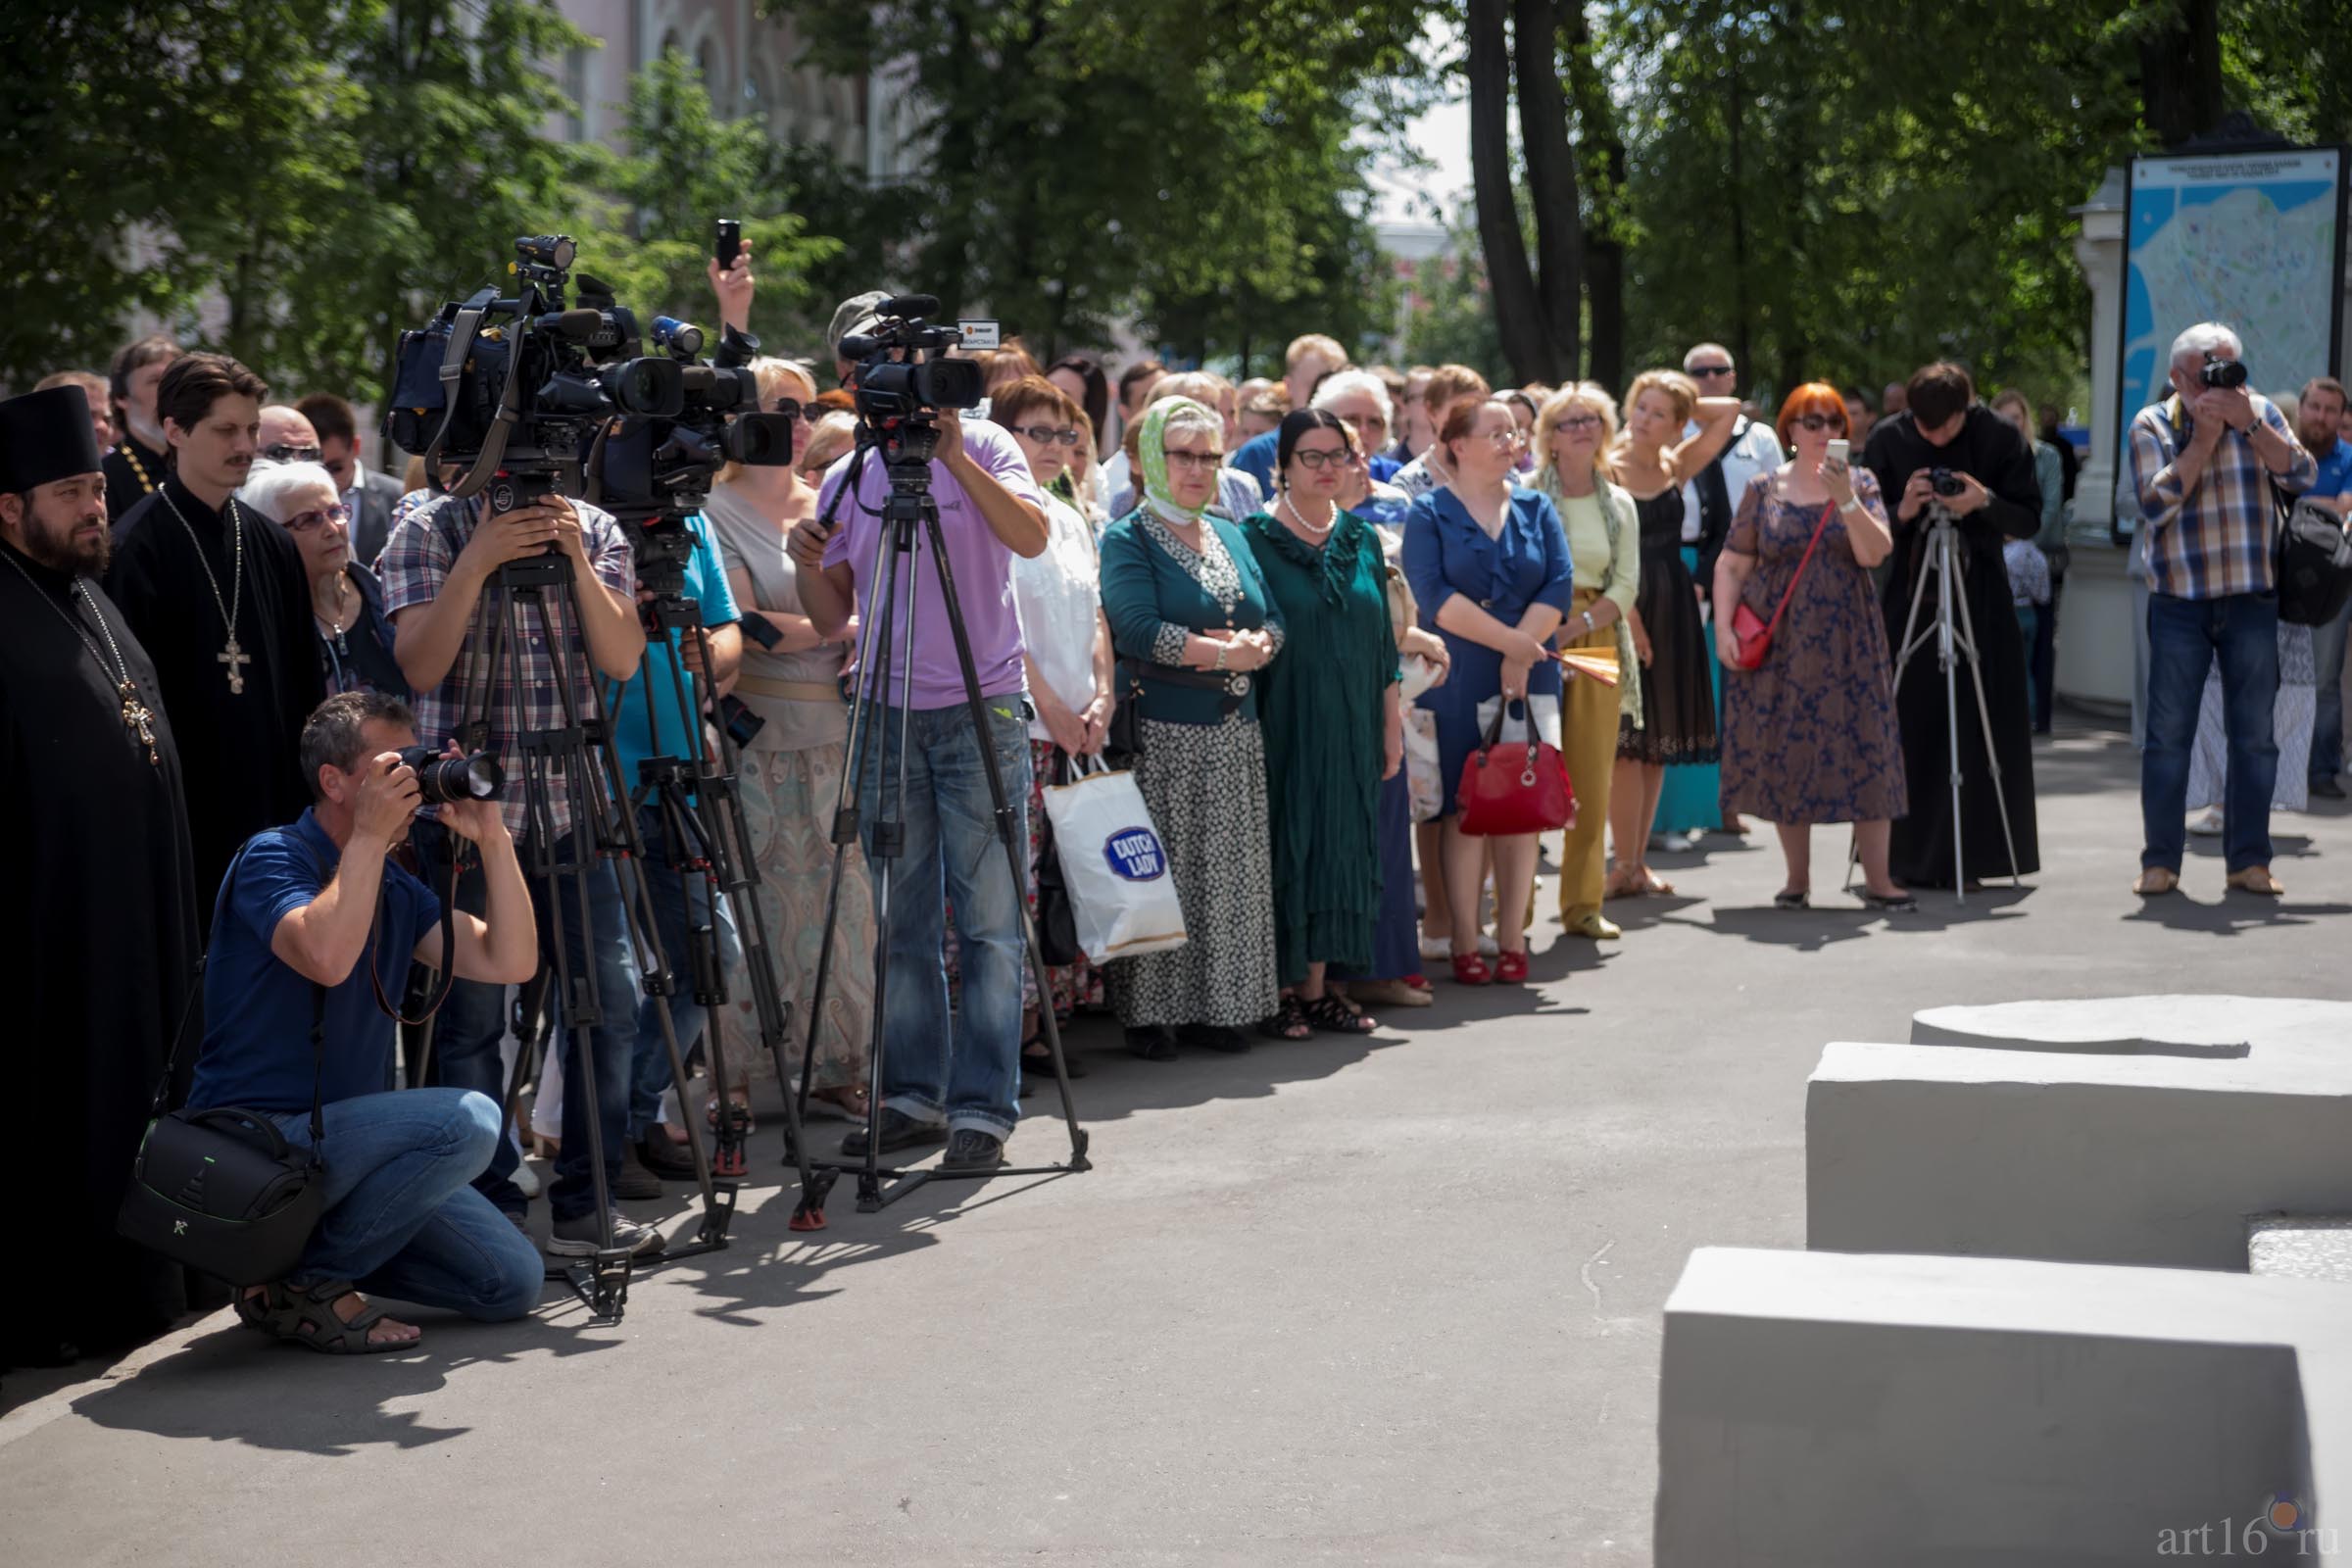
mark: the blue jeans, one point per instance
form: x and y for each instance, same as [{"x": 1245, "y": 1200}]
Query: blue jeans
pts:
[
  {"x": 935, "y": 1067},
  {"x": 470, "y": 1024},
  {"x": 2327, "y": 726},
  {"x": 676, "y": 907},
  {"x": 401, "y": 1220},
  {"x": 2185, "y": 638}
]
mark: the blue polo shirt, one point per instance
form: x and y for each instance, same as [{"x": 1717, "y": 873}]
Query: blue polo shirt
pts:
[
  {"x": 639, "y": 722},
  {"x": 2335, "y": 469},
  {"x": 256, "y": 1008}
]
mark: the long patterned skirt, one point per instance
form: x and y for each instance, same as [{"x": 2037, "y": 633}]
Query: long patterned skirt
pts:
[
  {"x": 1206, "y": 788},
  {"x": 789, "y": 799}
]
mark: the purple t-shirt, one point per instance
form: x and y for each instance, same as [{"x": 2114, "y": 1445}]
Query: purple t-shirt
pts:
[{"x": 982, "y": 565}]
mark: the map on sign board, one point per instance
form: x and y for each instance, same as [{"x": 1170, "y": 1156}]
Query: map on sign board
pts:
[{"x": 2252, "y": 240}]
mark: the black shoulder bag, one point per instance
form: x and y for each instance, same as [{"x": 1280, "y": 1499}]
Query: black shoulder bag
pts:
[
  {"x": 2313, "y": 561},
  {"x": 220, "y": 1190}
]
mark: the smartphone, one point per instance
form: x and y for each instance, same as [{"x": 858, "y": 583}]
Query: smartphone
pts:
[
  {"x": 1839, "y": 449},
  {"x": 726, "y": 242}
]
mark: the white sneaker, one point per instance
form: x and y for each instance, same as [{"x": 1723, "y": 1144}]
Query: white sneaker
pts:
[
  {"x": 1488, "y": 948},
  {"x": 1673, "y": 843},
  {"x": 579, "y": 1238},
  {"x": 2208, "y": 824},
  {"x": 1436, "y": 948},
  {"x": 526, "y": 1180}
]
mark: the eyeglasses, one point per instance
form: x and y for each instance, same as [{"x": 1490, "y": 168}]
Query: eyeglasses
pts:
[
  {"x": 1710, "y": 370},
  {"x": 1045, "y": 435},
  {"x": 281, "y": 451},
  {"x": 1822, "y": 422},
  {"x": 1195, "y": 462},
  {"x": 1512, "y": 437},
  {"x": 304, "y": 522},
  {"x": 1340, "y": 458},
  {"x": 1580, "y": 421}
]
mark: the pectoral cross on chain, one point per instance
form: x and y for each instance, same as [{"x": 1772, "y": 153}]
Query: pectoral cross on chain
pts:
[
  {"x": 233, "y": 656},
  {"x": 137, "y": 716}
]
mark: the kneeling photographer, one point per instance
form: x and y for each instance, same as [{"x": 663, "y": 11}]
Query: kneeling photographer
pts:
[
  {"x": 1947, "y": 460},
  {"x": 313, "y": 929}
]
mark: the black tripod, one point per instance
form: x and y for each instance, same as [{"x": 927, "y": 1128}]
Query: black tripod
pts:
[
  {"x": 705, "y": 835},
  {"x": 571, "y": 754},
  {"x": 1954, "y": 632},
  {"x": 889, "y": 623}
]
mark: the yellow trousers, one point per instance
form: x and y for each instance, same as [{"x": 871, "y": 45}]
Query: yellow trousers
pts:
[{"x": 1588, "y": 745}]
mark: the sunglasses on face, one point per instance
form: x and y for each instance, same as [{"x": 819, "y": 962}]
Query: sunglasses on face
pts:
[
  {"x": 1710, "y": 370},
  {"x": 1580, "y": 421},
  {"x": 1336, "y": 457},
  {"x": 1822, "y": 422},
  {"x": 1045, "y": 435},
  {"x": 281, "y": 451},
  {"x": 1195, "y": 462},
  {"x": 304, "y": 522}
]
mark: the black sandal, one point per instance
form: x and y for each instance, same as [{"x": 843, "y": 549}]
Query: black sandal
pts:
[
  {"x": 1798, "y": 900},
  {"x": 1154, "y": 1043},
  {"x": 1904, "y": 904},
  {"x": 1288, "y": 1021},
  {"x": 269, "y": 1311},
  {"x": 318, "y": 1326},
  {"x": 1332, "y": 1016}
]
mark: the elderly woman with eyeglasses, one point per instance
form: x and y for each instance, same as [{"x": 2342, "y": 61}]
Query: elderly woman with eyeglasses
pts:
[
  {"x": 790, "y": 768},
  {"x": 1490, "y": 566},
  {"x": 1193, "y": 625},
  {"x": 347, "y": 603}
]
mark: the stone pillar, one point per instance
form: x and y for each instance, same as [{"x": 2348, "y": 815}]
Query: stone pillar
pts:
[{"x": 2095, "y": 626}]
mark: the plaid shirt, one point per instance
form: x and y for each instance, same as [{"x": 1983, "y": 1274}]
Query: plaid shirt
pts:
[
  {"x": 2218, "y": 540},
  {"x": 423, "y": 545}
]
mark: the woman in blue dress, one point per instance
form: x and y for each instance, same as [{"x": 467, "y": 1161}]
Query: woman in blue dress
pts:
[{"x": 1489, "y": 565}]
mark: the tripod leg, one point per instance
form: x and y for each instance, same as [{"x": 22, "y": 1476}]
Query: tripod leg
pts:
[
  {"x": 1992, "y": 760},
  {"x": 1951, "y": 709}
]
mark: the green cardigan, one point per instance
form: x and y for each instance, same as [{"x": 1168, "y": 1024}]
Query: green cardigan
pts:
[{"x": 1154, "y": 600}]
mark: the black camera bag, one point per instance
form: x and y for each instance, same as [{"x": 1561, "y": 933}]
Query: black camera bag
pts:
[
  {"x": 2315, "y": 563},
  {"x": 220, "y": 1190}
]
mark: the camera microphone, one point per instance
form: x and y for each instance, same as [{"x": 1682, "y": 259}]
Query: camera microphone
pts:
[
  {"x": 909, "y": 304},
  {"x": 683, "y": 337},
  {"x": 579, "y": 325}
]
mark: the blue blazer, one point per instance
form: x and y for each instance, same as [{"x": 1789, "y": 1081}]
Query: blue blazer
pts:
[{"x": 1446, "y": 553}]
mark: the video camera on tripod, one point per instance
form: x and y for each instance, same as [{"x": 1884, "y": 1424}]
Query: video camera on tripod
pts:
[
  {"x": 900, "y": 395},
  {"x": 514, "y": 388}
]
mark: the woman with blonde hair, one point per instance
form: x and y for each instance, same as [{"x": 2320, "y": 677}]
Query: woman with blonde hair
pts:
[
  {"x": 1574, "y": 430},
  {"x": 791, "y": 768},
  {"x": 1652, "y": 461}
]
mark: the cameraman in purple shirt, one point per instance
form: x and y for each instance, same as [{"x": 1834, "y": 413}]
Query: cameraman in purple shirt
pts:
[{"x": 942, "y": 1077}]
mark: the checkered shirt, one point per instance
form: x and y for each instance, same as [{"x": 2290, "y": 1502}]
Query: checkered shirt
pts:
[
  {"x": 2218, "y": 540},
  {"x": 423, "y": 545}
]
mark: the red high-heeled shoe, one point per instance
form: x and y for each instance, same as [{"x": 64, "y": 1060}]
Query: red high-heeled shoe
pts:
[
  {"x": 1472, "y": 971},
  {"x": 1510, "y": 968}
]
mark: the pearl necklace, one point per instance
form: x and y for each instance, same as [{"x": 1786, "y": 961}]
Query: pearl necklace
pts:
[{"x": 1306, "y": 526}]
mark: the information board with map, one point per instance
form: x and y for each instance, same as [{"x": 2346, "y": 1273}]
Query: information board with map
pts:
[{"x": 2253, "y": 240}]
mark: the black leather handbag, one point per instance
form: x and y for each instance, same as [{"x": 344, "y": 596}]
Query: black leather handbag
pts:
[
  {"x": 2315, "y": 563},
  {"x": 220, "y": 1190}
]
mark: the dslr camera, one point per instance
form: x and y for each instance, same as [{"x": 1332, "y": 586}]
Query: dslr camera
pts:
[
  {"x": 1945, "y": 482},
  {"x": 513, "y": 388},
  {"x": 2220, "y": 373},
  {"x": 442, "y": 779}
]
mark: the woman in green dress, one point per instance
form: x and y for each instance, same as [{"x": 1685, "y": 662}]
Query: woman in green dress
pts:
[{"x": 1333, "y": 727}]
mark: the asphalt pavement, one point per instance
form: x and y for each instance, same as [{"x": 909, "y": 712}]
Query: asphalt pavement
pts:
[{"x": 1382, "y": 1301}]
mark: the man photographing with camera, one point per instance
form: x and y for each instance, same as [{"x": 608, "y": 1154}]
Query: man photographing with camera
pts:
[
  {"x": 2204, "y": 463},
  {"x": 1944, "y": 459},
  {"x": 946, "y": 1078},
  {"x": 316, "y": 920}
]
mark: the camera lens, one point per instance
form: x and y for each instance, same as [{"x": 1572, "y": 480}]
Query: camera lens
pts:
[{"x": 442, "y": 779}]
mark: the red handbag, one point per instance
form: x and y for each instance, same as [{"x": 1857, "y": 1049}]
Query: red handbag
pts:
[
  {"x": 1751, "y": 631},
  {"x": 1514, "y": 786}
]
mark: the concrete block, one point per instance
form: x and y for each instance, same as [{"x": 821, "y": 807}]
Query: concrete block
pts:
[
  {"x": 2084, "y": 1157},
  {"x": 2306, "y": 1247},
  {"x": 1823, "y": 1411},
  {"x": 2292, "y": 1028}
]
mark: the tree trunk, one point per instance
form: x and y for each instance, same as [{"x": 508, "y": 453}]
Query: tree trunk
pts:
[
  {"x": 2181, "y": 74},
  {"x": 1732, "y": 112},
  {"x": 1518, "y": 308},
  {"x": 1550, "y": 179},
  {"x": 1604, "y": 251}
]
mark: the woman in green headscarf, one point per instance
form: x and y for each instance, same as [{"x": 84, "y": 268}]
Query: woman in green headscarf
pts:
[{"x": 1191, "y": 623}]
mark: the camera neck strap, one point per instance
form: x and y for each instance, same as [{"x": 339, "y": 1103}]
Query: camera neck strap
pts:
[{"x": 162, "y": 1101}]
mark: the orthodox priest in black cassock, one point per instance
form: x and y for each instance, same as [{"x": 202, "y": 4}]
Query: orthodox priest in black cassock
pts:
[
  {"x": 215, "y": 593},
  {"x": 1988, "y": 448},
  {"x": 98, "y": 924}
]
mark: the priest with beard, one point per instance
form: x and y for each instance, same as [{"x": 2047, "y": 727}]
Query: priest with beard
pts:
[
  {"x": 1995, "y": 498},
  {"x": 98, "y": 934},
  {"x": 218, "y": 595},
  {"x": 135, "y": 464}
]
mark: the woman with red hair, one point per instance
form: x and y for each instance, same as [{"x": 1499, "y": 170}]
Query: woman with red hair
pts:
[{"x": 1809, "y": 735}]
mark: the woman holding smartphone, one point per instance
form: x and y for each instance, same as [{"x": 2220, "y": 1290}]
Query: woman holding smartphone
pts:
[{"x": 1809, "y": 735}]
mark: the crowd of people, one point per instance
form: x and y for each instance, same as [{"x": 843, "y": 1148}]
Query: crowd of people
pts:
[{"x": 1296, "y": 609}]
